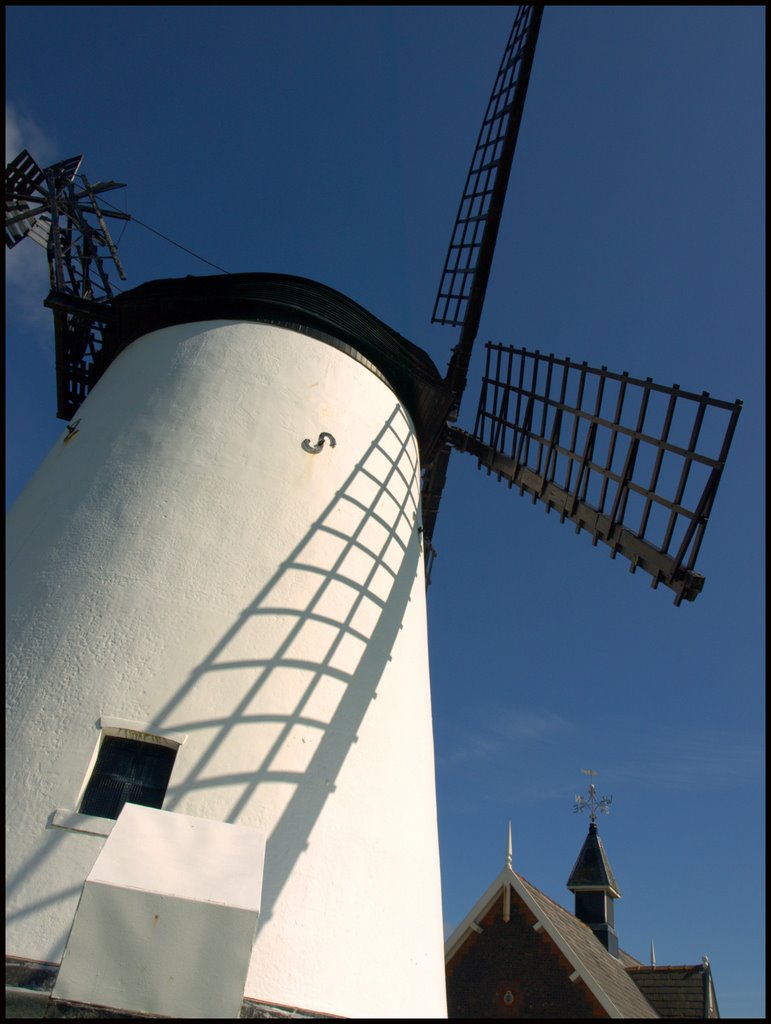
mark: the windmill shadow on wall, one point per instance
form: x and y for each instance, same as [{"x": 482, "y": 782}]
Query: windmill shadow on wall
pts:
[{"x": 324, "y": 672}]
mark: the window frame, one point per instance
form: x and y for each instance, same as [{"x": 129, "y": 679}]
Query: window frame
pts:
[{"x": 121, "y": 728}]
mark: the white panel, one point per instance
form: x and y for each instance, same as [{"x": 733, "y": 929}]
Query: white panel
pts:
[
  {"x": 176, "y": 855},
  {"x": 167, "y": 918},
  {"x": 139, "y": 951}
]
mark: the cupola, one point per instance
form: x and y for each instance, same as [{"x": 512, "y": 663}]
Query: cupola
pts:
[{"x": 591, "y": 879}]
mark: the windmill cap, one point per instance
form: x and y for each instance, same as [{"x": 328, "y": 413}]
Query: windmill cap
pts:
[{"x": 300, "y": 304}]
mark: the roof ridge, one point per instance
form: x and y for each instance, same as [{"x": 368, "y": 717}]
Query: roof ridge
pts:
[{"x": 668, "y": 967}]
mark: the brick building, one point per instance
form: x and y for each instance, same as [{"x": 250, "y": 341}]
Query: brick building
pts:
[{"x": 517, "y": 953}]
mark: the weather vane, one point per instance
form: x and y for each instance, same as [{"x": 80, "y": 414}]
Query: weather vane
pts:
[{"x": 594, "y": 803}]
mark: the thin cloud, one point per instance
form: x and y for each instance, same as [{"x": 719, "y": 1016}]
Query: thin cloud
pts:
[
  {"x": 509, "y": 727},
  {"x": 22, "y": 132},
  {"x": 26, "y": 285}
]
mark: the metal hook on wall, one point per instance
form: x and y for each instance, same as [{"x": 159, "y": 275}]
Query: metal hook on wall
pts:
[
  {"x": 72, "y": 429},
  {"x": 314, "y": 449}
]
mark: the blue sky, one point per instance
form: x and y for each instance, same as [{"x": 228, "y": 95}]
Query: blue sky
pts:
[{"x": 333, "y": 143}]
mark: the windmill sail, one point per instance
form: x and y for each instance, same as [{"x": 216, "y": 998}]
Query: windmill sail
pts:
[
  {"x": 633, "y": 463},
  {"x": 28, "y": 196},
  {"x": 469, "y": 257}
]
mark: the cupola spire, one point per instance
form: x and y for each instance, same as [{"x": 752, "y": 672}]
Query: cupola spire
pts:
[{"x": 591, "y": 879}]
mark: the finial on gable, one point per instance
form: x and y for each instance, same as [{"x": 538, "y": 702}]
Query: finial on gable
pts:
[{"x": 508, "y": 849}]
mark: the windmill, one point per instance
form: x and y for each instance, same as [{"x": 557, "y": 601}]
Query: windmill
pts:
[{"x": 526, "y": 433}]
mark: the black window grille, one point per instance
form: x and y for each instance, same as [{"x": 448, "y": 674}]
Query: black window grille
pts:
[{"x": 127, "y": 771}]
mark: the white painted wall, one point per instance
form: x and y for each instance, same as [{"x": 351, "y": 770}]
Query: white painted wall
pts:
[{"x": 181, "y": 561}]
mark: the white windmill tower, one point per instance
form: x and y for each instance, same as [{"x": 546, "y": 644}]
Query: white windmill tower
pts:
[{"x": 217, "y": 630}]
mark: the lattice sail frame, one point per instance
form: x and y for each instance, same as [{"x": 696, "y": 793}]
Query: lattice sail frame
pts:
[
  {"x": 463, "y": 283},
  {"x": 485, "y": 188},
  {"x": 634, "y": 463}
]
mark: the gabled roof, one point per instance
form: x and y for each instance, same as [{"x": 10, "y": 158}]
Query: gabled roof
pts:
[
  {"x": 685, "y": 991},
  {"x": 604, "y": 975},
  {"x": 592, "y": 869}
]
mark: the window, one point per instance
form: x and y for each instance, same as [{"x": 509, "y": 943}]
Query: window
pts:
[{"x": 127, "y": 771}]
